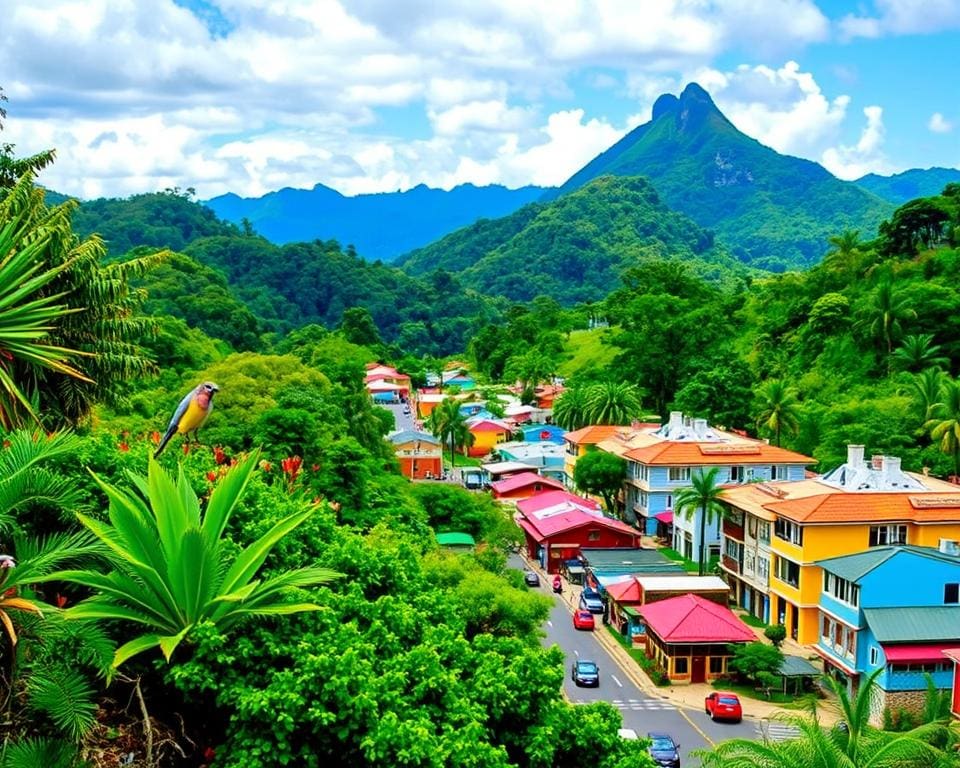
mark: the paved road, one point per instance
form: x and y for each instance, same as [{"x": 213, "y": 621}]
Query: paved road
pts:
[
  {"x": 401, "y": 419},
  {"x": 641, "y": 711}
]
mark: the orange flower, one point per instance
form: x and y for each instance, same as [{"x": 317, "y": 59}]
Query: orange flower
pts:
[
  {"x": 155, "y": 438},
  {"x": 186, "y": 448},
  {"x": 123, "y": 447},
  {"x": 211, "y": 476}
]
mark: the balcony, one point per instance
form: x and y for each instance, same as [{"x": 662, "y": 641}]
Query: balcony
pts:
[{"x": 730, "y": 564}]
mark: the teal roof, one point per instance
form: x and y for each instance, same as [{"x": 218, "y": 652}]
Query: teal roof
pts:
[
  {"x": 455, "y": 540},
  {"x": 914, "y": 625},
  {"x": 795, "y": 666},
  {"x": 411, "y": 435},
  {"x": 855, "y": 567},
  {"x": 632, "y": 561}
]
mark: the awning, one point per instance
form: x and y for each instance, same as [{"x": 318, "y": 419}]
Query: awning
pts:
[
  {"x": 899, "y": 654},
  {"x": 664, "y": 517}
]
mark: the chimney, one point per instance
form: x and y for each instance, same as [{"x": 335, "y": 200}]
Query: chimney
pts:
[
  {"x": 854, "y": 456},
  {"x": 676, "y": 421},
  {"x": 889, "y": 467},
  {"x": 700, "y": 428},
  {"x": 876, "y": 461}
]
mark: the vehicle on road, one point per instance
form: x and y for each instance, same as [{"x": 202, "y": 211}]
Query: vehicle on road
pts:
[
  {"x": 531, "y": 579},
  {"x": 591, "y": 601},
  {"x": 585, "y": 673},
  {"x": 406, "y": 410},
  {"x": 723, "y": 705},
  {"x": 664, "y": 750},
  {"x": 583, "y": 620},
  {"x": 628, "y": 733}
]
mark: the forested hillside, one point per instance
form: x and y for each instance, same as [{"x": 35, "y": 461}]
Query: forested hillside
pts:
[
  {"x": 576, "y": 248},
  {"x": 772, "y": 211},
  {"x": 911, "y": 184}
]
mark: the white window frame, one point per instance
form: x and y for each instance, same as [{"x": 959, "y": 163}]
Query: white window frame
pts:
[{"x": 678, "y": 474}]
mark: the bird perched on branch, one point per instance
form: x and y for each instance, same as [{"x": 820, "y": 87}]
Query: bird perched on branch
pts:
[{"x": 190, "y": 414}]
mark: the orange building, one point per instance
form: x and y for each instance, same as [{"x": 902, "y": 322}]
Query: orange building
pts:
[{"x": 419, "y": 454}]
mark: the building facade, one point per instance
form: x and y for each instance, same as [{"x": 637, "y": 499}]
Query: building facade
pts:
[{"x": 419, "y": 454}]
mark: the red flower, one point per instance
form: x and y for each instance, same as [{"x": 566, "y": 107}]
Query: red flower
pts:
[
  {"x": 209, "y": 753},
  {"x": 6, "y": 443},
  {"x": 123, "y": 447},
  {"x": 186, "y": 448},
  {"x": 155, "y": 438},
  {"x": 219, "y": 455},
  {"x": 315, "y": 468},
  {"x": 211, "y": 476},
  {"x": 265, "y": 465},
  {"x": 60, "y": 600}
]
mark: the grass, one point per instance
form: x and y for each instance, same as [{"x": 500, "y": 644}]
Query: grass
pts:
[
  {"x": 587, "y": 349},
  {"x": 749, "y": 691},
  {"x": 688, "y": 565},
  {"x": 638, "y": 655},
  {"x": 752, "y": 621}
]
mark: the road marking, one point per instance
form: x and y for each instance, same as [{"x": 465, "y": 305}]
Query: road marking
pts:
[
  {"x": 616, "y": 681},
  {"x": 646, "y": 705},
  {"x": 576, "y": 653},
  {"x": 549, "y": 623}
]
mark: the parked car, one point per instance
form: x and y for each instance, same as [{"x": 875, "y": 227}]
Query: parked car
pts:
[
  {"x": 583, "y": 620},
  {"x": 585, "y": 672},
  {"x": 664, "y": 750},
  {"x": 531, "y": 578},
  {"x": 591, "y": 601},
  {"x": 723, "y": 705},
  {"x": 628, "y": 733}
]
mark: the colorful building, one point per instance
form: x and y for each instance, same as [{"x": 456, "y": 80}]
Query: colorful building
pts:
[
  {"x": 894, "y": 609},
  {"x": 487, "y": 434},
  {"x": 690, "y": 637},
  {"x": 954, "y": 655},
  {"x": 578, "y": 443},
  {"x": 546, "y": 457},
  {"x": 419, "y": 454},
  {"x": 386, "y": 384},
  {"x": 543, "y": 433},
  {"x": 780, "y": 530},
  {"x": 523, "y": 486}
]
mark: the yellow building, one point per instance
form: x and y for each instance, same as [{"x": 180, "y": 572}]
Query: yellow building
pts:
[
  {"x": 580, "y": 441},
  {"x": 850, "y": 509}
]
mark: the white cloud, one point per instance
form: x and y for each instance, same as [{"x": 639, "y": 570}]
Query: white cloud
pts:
[
  {"x": 939, "y": 124},
  {"x": 903, "y": 17},
  {"x": 866, "y": 156}
]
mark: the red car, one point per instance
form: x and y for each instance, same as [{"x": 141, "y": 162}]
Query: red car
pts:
[
  {"x": 723, "y": 705},
  {"x": 583, "y": 620}
]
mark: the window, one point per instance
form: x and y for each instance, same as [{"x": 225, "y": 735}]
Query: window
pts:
[
  {"x": 593, "y": 536},
  {"x": 874, "y": 655},
  {"x": 680, "y": 665},
  {"x": 950, "y": 547},
  {"x": 951, "y": 593},
  {"x": 763, "y": 568},
  {"x": 887, "y": 535},
  {"x": 788, "y": 531},
  {"x": 752, "y": 526},
  {"x": 838, "y": 637},
  {"x": 841, "y": 589},
  {"x": 733, "y": 549},
  {"x": 736, "y": 474},
  {"x": 788, "y": 571},
  {"x": 763, "y": 531},
  {"x": 644, "y": 499},
  {"x": 716, "y": 665},
  {"x": 679, "y": 474},
  {"x": 775, "y": 473},
  {"x": 749, "y": 564}
]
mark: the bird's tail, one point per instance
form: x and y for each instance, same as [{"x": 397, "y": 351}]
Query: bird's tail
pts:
[{"x": 163, "y": 443}]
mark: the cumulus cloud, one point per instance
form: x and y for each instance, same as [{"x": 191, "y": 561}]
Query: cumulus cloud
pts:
[
  {"x": 939, "y": 124},
  {"x": 902, "y": 17},
  {"x": 866, "y": 156}
]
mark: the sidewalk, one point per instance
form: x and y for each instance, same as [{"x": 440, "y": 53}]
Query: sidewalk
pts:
[{"x": 684, "y": 696}]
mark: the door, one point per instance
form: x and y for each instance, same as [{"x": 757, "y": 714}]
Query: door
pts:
[{"x": 698, "y": 669}]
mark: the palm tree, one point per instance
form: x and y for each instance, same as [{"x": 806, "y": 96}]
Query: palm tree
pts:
[
  {"x": 778, "y": 406},
  {"x": 843, "y": 246},
  {"x": 925, "y": 387},
  {"x": 917, "y": 352},
  {"x": 859, "y": 745},
  {"x": 612, "y": 403},
  {"x": 570, "y": 409},
  {"x": 944, "y": 423},
  {"x": 448, "y": 423},
  {"x": 887, "y": 311},
  {"x": 170, "y": 569},
  {"x": 703, "y": 495}
]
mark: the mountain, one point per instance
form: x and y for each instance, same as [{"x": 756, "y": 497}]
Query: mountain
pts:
[
  {"x": 378, "y": 226},
  {"x": 772, "y": 210},
  {"x": 909, "y": 185},
  {"x": 574, "y": 248}
]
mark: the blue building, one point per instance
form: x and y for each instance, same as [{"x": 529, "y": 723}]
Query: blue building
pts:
[
  {"x": 894, "y": 609},
  {"x": 542, "y": 433}
]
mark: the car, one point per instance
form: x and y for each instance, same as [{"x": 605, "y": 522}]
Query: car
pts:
[
  {"x": 406, "y": 410},
  {"x": 664, "y": 750},
  {"x": 583, "y": 620},
  {"x": 585, "y": 672},
  {"x": 723, "y": 705},
  {"x": 628, "y": 733},
  {"x": 591, "y": 601},
  {"x": 531, "y": 579}
]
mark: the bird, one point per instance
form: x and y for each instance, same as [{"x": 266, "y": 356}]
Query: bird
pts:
[{"x": 190, "y": 414}]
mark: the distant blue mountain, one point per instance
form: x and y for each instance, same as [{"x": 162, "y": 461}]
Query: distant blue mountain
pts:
[
  {"x": 380, "y": 226},
  {"x": 909, "y": 185}
]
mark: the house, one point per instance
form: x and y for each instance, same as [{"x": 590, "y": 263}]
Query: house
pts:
[
  {"x": 578, "y": 443},
  {"x": 543, "y": 433},
  {"x": 523, "y": 486},
  {"x": 674, "y": 452},
  {"x": 780, "y": 530},
  {"x": 487, "y": 433},
  {"x": 556, "y": 533},
  {"x": 690, "y": 637},
  {"x": 427, "y": 401},
  {"x": 546, "y": 394},
  {"x": 419, "y": 454},
  {"x": 894, "y": 609},
  {"x": 457, "y": 378},
  {"x": 499, "y": 470},
  {"x": 954, "y": 655},
  {"x": 546, "y": 457},
  {"x": 386, "y": 384}
]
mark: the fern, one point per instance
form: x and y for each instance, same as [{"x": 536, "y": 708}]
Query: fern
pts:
[
  {"x": 65, "y": 696},
  {"x": 31, "y": 753}
]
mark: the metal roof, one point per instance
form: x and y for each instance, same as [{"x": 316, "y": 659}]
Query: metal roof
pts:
[
  {"x": 455, "y": 540},
  {"x": 795, "y": 666},
  {"x": 855, "y": 567},
  {"x": 914, "y": 625}
]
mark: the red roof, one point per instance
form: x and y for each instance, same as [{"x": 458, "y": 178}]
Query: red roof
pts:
[
  {"x": 665, "y": 517},
  {"x": 551, "y": 499},
  {"x": 676, "y": 454},
  {"x": 522, "y": 480},
  {"x": 693, "y": 619},
  {"x": 488, "y": 425},
  {"x": 625, "y": 591},
  {"x": 925, "y": 653},
  {"x": 571, "y": 520}
]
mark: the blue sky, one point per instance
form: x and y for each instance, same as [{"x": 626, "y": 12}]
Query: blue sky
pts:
[{"x": 249, "y": 96}]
